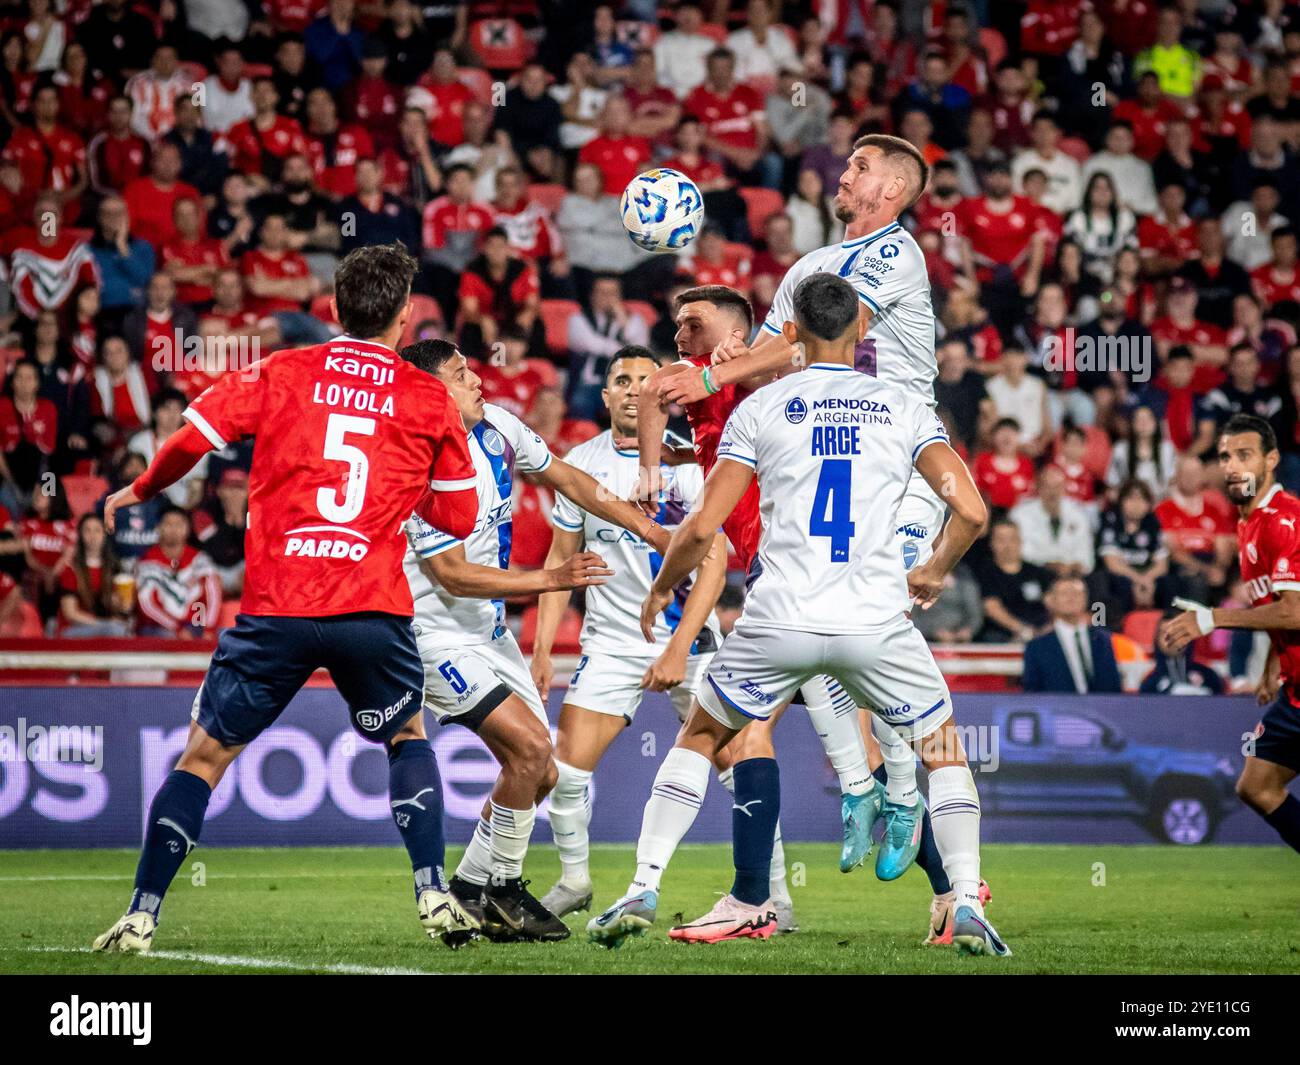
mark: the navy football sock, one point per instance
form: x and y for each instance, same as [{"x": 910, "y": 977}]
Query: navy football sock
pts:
[
  {"x": 928, "y": 856},
  {"x": 754, "y": 813},
  {"x": 175, "y": 819},
  {"x": 415, "y": 793},
  {"x": 1286, "y": 821}
]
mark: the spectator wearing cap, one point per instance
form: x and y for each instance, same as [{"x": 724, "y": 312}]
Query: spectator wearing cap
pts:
[
  {"x": 372, "y": 101},
  {"x": 1064, "y": 188},
  {"x": 334, "y": 44},
  {"x": 680, "y": 54},
  {"x": 227, "y": 92},
  {"x": 1182, "y": 325},
  {"x": 762, "y": 47},
  {"x": 219, "y": 527}
]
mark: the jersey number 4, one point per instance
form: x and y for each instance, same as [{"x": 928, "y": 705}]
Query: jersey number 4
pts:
[
  {"x": 831, "y": 507},
  {"x": 338, "y": 450}
]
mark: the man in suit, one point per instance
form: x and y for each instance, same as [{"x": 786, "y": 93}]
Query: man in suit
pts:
[{"x": 1072, "y": 656}]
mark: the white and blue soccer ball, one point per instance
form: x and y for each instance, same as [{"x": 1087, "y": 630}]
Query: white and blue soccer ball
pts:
[{"x": 662, "y": 210}]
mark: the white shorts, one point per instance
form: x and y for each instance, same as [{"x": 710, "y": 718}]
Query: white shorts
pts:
[
  {"x": 610, "y": 684},
  {"x": 919, "y": 521},
  {"x": 465, "y": 683},
  {"x": 889, "y": 671}
]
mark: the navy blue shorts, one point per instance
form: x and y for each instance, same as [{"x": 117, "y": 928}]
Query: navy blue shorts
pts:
[
  {"x": 1277, "y": 737},
  {"x": 260, "y": 664}
]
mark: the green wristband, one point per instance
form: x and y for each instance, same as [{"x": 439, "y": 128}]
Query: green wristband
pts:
[{"x": 710, "y": 389}]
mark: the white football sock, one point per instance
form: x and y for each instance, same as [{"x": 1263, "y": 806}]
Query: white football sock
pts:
[
  {"x": 834, "y": 718},
  {"x": 570, "y": 816},
  {"x": 777, "y": 869},
  {"x": 511, "y": 830},
  {"x": 900, "y": 763},
  {"x": 476, "y": 864},
  {"x": 675, "y": 799},
  {"x": 955, "y": 820}
]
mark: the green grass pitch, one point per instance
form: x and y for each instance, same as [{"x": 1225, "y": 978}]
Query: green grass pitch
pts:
[{"x": 1075, "y": 909}]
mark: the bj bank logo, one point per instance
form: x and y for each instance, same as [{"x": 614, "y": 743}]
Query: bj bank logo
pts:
[{"x": 114, "y": 1019}]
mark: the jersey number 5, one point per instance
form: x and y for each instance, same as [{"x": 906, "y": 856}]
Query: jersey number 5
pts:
[
  {"x": 830, "y": 511},
  {"x": 337, "y": 450}
]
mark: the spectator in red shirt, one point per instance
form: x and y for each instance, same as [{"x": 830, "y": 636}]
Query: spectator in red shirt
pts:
[
  {"x": 280, "y": 283},
  {"x": 29, "y": 430},
  {"x": 158, "y": 331},
  {"x": 50, "y": 157},
  {"x": 511, "y": 379},
  {"x": 713, "y": 261},
  {"x": 772, "y": 263},
  {"x": 655, "y": 109},
  {"x": 150, "y": 200},
  {"x": 1010, "y": 107},
  {"x": 89, "y": 602},
  {"x": 1149, "y": 113},
  {"x": 334, "y": 148},
  {"x": 1003, "y": 474},
  {"x": 260, "y": 145},
  {"x": 192, "y": 259},
  {"x": 1001, "y": 235},
  {"x": 49, "y": 541},
  {"x": 1071, "y": 460},
  {"x": 116, "y": 155},
  {"x": 723, "y": 205},
  {"x": 373, "y": 101},
  {"x": 453, "y": 227},
  {"x": 1278, "y": 280},
  {"x": 496, "y": 289},
  {"x": 83, "y": 94},
  {"x": 442, "y": 96},
  {"x": 178, "y": 591},
  {"x": 1180, "y": 325},
  {"x": 1200, "y": 530},
  {"x": 619, "y": 155},
  {"x": 735, "y": 125},
  {"x": 1167, "y": 239}
]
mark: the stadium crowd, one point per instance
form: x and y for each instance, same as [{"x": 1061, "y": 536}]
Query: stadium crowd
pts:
[{"x": 1113, "y": 267}]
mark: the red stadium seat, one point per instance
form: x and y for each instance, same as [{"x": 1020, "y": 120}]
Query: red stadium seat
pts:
[
  {"x": 83, "y": 492},
  {"x": 568, "y": 636},
  {"x": 642, "y": 309},
  {"x": 760, "y": 205},
  {"x": 1140, "y": 627},
  {"x": 24, "y": 624},
  {"x": 555, "y": 319},
  {"x": 995, "y": 47},
  {"x": 478, "y": 81},
  {"x": 1076, "y": 148},
  {"x": 499, "y": 42},
  {"x": 549, "y": 195}
]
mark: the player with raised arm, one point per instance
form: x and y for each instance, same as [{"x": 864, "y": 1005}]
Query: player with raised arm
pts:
[
  {"x": 1268, "y": 541},
  {"x": 833, "y": 452},
  {"x": 350, "y": 440},
  {"x": 474, "y": 673},
  {"x": 616, "y": 666}
]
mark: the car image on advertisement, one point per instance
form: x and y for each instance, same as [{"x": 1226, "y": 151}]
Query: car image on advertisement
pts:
[{"x": 1063, "y": 763}]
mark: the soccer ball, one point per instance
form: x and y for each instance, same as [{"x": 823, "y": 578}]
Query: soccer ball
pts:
[{"x": 662, "y": 210}]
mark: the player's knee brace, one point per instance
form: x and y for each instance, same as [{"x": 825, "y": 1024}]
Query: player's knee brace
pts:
[{"x": 570, "y": 792}]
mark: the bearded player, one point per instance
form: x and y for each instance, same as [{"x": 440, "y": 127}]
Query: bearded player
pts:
[
  {"x": 885, "y": 175},
  {"x": 351, "y": 440},
  {"x": 1269, "y": 544}
]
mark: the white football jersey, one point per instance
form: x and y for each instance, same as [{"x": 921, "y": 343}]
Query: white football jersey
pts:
[
  {"x": 887, "y": 270},
  {"x": 498, "y": 444},
  {"x": 613, "y": 621},
  {"x": 834, "y": 452}
]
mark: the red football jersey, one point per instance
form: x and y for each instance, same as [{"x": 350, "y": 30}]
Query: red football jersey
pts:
[
  {"x": 1197, "y": 532},
  {"x": 349, "y": 436},
  {"x": 1269, "y": 549},
  {"x": 732, "y": 119},
  {"x": 1000, "y": 488},
  {"x": 744, "y": 528}
]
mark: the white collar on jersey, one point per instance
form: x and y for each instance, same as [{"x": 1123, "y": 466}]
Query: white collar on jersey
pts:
[
  {"x": 860, "y": 241},
  {"x": 344, "y": 338},
  {"x": 828, "y": 366},
  {"x": 1268, "y": 496}
]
